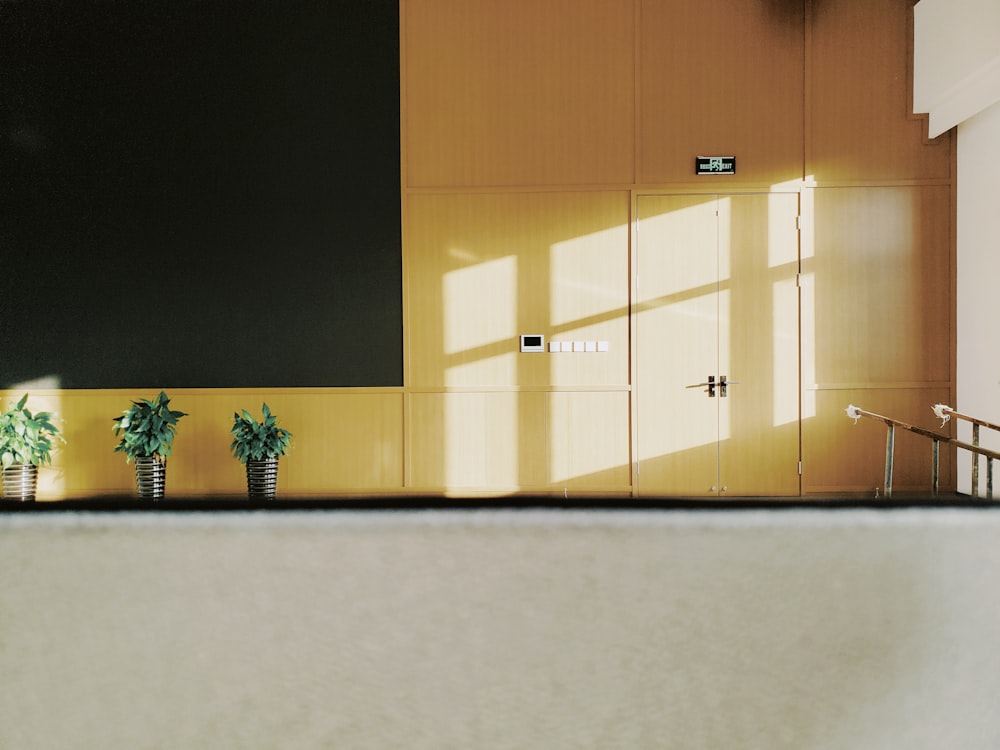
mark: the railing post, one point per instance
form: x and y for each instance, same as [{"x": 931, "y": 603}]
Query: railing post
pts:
[
  {"x": 890, "y": 438},
  {"x": 975, "y": 461},
  {"x": 937, "y": 438},
  {"x": 935, "y": 460}
]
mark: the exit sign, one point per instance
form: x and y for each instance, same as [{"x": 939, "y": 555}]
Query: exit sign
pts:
[{"x": 715, "y": 165}]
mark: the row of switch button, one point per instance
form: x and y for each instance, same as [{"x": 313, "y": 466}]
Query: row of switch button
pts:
[{"x": 578, "y": 346}]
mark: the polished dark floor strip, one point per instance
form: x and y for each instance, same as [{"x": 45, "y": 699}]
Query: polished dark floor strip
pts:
[{"x": 222, "y": 503}]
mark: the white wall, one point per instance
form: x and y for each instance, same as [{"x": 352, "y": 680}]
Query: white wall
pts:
[
  {"x": 978, "y": 260},
  {"x": 956, "y": 79},
  {"x": 789, "y": 630},
  {"x": 956, "y": 60}
]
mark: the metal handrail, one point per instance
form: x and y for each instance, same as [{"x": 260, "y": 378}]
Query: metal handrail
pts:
[
  {"x": 856, "y": 413},
  {"x": 944, "y": 413}
]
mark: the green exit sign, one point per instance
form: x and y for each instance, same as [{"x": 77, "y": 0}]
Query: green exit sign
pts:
[{"x": 715, "y": 165}]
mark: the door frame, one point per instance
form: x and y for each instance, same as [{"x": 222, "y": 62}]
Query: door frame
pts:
[{"x": 718, "y": 191}]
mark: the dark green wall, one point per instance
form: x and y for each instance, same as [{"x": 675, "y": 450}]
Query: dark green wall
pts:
[{"x": 200, "y": 194}]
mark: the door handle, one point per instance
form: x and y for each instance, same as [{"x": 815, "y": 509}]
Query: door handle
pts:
[
  {"x": 724, "y": 385},
  {"x": 710, "y": 386},
  {"x": 710, "y": 390}
]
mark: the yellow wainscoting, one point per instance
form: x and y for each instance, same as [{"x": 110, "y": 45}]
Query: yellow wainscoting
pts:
[
  {"x": 345, "y": 440},
  {"x": 876, "y": 288},
  {"x": 841, "y": 456},
  {"x": 482, "y": 269},
  {"x": 519, "y": 441},
  {"x": 877, "y": 322}
]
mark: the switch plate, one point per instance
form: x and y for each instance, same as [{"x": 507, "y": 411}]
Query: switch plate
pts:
[{"x": 602, "y": 346}]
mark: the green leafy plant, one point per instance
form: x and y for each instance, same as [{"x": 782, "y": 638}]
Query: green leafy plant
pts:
[
  {"x": 147, "y": 428},
  {"x": 253, "y": 440},
  {"x": 26, "y": 438}
]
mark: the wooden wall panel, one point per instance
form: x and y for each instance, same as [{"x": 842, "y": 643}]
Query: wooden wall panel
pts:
[
  {"x": 345, "y": 440},
  {"x": 721, "y": 78},
  {"x": 879, "y": 286},
  {"x": 840, "y": 456},
  {"x": 518, "y": 92},
  {"x": 481, "y": 269},
  {"x": 519, "y": 441},
  {"x": 462, "y": 441},
  {"x": 861, "y": 126},
  {"x": 589, "y": 441},
  {"x": 877, "y": 312}
]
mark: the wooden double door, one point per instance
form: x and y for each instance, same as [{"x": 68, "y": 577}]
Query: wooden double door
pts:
[{"x": 717, "y": 337}]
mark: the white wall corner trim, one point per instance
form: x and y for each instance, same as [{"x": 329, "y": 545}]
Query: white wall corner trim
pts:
[
  {"x": 978, "y": 267},
  {"x": 956, "y": 60}
]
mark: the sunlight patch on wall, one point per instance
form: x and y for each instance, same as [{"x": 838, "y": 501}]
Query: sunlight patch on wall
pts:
[
  {"x": 789, "y": 186},
  {"x": 782, "y": 245},
  {"x": 687, "y": 358},
  {"x": 587, "y": 275},
  {"x": 587, "y": 435},
  {"x": 807, "y": 311},
  {"x": 660, "y": 234},
  {"x": 501, "y": 367},
  {"x": 725, "y": 367},
  {"x": 464, "y": 448},
  {"x": 724, "y": 241},
  {"x": 808, "y": 316},
  {"x": 44, "y": 383},
  {"x": 678, "y": 297},
  {"x": 693, "y": 423},
  {"x": 480, "y": 305},
  {"x": 465, "y": 256},
  {"x": 807, "y": 209},
  {"x": 786, "y": 348}
]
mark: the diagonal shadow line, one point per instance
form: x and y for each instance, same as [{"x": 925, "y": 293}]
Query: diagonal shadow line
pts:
[
  {"x": 498, "y": 348},
  {"x": 506, "y": 346}
]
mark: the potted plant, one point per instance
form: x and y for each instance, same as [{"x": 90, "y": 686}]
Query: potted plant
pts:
[
  {"x": 147, "y": 430},
  {"x": 25, "y": 444},
  {"x": 258, "y": 445}
]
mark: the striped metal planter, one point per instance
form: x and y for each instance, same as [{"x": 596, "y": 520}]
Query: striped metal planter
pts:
[
  {"x": 262, "y": 478},
  {"x": 20, "y": 482},
  {"x": 150, "y": 476}
]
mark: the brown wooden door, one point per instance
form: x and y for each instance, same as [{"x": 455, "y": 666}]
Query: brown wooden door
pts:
[{"x": 717, "y": 298}]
